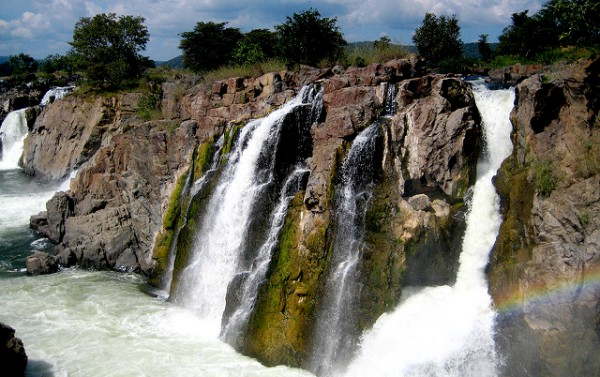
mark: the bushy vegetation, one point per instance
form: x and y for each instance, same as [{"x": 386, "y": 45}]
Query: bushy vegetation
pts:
[
  {"x": 545, "y": 179},
  {"x": 107, "y": 49},
  {"x": 380, "y": 51},
  {"x": 438, "y": 38},
  {"x": 209, "y": 45}
]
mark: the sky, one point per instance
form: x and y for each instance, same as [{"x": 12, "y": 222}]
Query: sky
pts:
[{"x": 43, "y": 27}]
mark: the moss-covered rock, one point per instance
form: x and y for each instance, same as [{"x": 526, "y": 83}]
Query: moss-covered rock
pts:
[{"x": 279, "y": 329}]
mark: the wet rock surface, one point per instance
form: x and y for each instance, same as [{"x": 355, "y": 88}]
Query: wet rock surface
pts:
[
  {"x": 13, "y": 358},
  {"x": 545, "y": 260}
]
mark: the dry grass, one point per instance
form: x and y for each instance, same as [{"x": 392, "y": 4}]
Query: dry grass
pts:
[{"x": 250, "y": 70}]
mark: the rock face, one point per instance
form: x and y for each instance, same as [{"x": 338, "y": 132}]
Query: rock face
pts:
[
  {"x": 13, "y": 358},
  {"x": 129, "y": 206},
  {"x": 544, "y": 269}
]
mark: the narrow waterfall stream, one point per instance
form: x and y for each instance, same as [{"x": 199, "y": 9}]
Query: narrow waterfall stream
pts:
[
  {"x": 335, "y": 330},
  {"x": 448, "y": 330},
  {"x": 13, "y": 132},
  {"x": 218, "y": 248}
]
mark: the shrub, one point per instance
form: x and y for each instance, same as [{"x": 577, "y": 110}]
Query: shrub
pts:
[{"x": 545, "y": 180}]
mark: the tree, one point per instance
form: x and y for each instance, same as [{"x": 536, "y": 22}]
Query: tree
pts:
[
  {"x": 527, "y": 36},
  {"x": 21, "y": 63},
  {"x": 383, "y": 43},
  {"x": 308, "y": 38},
  {"x": 107, "y": 48},
  {"x": 55, "y": 63},
  {"x": 577, "y": 22},
  {"x": 438, "y": 38},
  {"x": 484, "y": 48},
  {"x": 209, "y": 45},
  {"x": 255, "y": 46}
]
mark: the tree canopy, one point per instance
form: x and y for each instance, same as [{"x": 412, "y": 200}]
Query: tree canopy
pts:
[
  {"x": 484, "y": 48},
  {"x": 209, "y": 45},
  {"x": 308, "y": 38},
  {"x": 108, "y": 48},
  {"x": 438, "y": 38}
]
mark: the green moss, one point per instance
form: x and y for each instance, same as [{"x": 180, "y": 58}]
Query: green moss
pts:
[
  {"x": 545, "y": 179},
  {"x": 229, "y": 139},
  {"x": 204, "y": 155},
  {"x": 166, "y": 236},
  {"x": 513, "y": 245}
]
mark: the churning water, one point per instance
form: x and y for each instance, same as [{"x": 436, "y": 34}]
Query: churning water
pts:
[
  {"x": 447, "y": 331},
  {"x": 90, "y": 324}
]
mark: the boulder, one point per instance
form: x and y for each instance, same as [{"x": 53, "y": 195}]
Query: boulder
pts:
[
  {"x": 41, "y": 263},
  {"x": 13, "y": 359}
]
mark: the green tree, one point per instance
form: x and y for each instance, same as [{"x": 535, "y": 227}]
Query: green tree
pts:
[
  {"x": 308, "y": 38},
  {"x": 484, "y": 48},
  {"x": 382, "y": 43},
  {"x": 577, "y": 22},
  {"x": 56, "y": 63},
  {"x": 21, "y": 63},
  {"x": 107, "y": 48},
  {"x": 266, "y": 39},
  {"x": 209, "y": 45},
  {"x": 438, "y": 38},
  {"x": 255, "y": 46},
  {"x": 527, "y": 36}
]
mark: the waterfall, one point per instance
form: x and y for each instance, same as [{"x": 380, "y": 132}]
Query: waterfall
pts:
[
  {"x": 448, "y": 330},
  {"x": 335, "y": 330},
  {"x": 218, "y": 247},
  {"x": 12, "y": 136},
  {"x": 190, "y": 192},
  {"x": 390, "y": 104},
  {"x": 56, "y": 93},
  {"x": 234, "y": 326}
]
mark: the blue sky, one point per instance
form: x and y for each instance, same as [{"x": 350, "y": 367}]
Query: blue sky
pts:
[{"x": 42, "y": 27}]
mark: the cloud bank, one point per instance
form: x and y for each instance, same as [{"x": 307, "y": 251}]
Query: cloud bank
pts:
[{"x": 40, "y": 27}]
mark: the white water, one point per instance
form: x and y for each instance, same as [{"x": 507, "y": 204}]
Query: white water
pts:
[
  {"x": 448, "y": 330},
  {"x": 56, "y": 93},
  {"x": 255, "y": 276},
  {"x": 335, "y": 319},
  {"x": 99, "y": 324},
  {"x": 203, "y": 284},
  {"x": 13, "y": 132}
]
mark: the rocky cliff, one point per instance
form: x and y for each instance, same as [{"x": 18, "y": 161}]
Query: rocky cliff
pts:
[
  {"x": 133, "y": 204},
  {"x": 544, "y": 269},
  {"x": 130, "y": 208}
]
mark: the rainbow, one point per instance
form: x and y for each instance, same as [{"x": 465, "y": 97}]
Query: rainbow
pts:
[{"x": 548, "y": 289}]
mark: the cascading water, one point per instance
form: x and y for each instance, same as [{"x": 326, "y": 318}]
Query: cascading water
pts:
[
  {"x": 56, "y": 94},
  {"x": 390, "y": 103},
  {"x": 220, "y": 239},
  {"x": 12, "y": 136},
  {"x": 255, "y": 276},
  {"x": 192, "y": 191},
  {"x": 448, "y": 331},
  {"x": 335, "y": 332}
]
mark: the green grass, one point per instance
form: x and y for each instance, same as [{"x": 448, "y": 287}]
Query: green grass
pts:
[
  {"x": 545, "y": 179},
  {"x": 561, "y": 54},
  {"x": 361, "y": 56},
  {"x": 246, "y": 70}
]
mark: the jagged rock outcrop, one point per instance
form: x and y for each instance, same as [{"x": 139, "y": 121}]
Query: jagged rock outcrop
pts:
[
  {"x": 439, "y": 115},
  {"x": 13, "y": 358},
  {"x": 544, "y": 267},
  {"x": 129, "y": 208},
  {"x": 41, "y": 263}
]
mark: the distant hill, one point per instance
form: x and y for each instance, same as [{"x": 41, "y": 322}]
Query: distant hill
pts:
[{"x": 176, "y": 62}]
